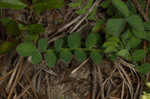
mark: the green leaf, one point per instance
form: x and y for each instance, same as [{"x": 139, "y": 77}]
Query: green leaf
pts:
[
  {"x": 121, "y": 6},
  {"x": 47, "y": 5},
  {"x": 80, "y": 55},
  {"x": 133, "y": 42},
  {"x": 31, "y": 37},
  {"x": 147, "y": 26},
  {"x": 66, "y": 56},
  {"x": 76, "y": 4},
  {"x": 98, "y": 26},
  {"x": 131, "y": 6},
  {"x": 96, "y": 57},
  {"x": 35, "y": 28},
  {"x": 73, "y": 5},
  {"x": 137, "y": 26},
  {"x": 85, "y": 8},
  {"x": 36, "y": 57},
  {"x": 124, "y": 53},
  {"x": 110, "y": 49},
  {"x": 7, "y": 46},
  {"x": 148, "y": 35},
  {"x": 26, "y": 49},
  {"x": 138, "y": 55},
  {"x": 89, "y": 4},
  {"x": 81, "y": 11},
  {"x": 5, "y": 20},
  {"x": 50, "y": 58},
  {"x": 127, "y": 35},
  {"x": 144, "y": 68},
  {"x": 106, "y": 3},
  {"x": 114, "y": 39},
  {"x": 74, "y": 40},
  {"x": 110, "y": 43},
  {"x": 13, "y": 4},
  {"x": 12, "y": 28},
  {"x": 43, "y": 44},
  {"x": 92, "y": 15},
  {"x": 58, "y": 44},
  {"x": 34, "y": 1},
  {"x": 115, "y": 26},
  {"x": 91, "y": 40}
]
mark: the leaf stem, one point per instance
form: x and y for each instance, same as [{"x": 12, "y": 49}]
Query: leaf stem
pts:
[{"x": 83, "y": 49}]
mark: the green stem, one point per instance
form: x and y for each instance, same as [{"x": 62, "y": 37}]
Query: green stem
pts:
[{"x": 83, "y": 49}]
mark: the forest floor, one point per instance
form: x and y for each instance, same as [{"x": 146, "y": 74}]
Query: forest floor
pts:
[{"x": 19, "y": 79}]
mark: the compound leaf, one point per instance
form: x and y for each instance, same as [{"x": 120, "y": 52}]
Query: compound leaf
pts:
[{"x": 50, "y": 58}]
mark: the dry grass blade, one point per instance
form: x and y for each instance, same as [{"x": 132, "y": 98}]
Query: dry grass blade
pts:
[
  {"x": 100, "y": 81},
  {"x": 12, "y": 77},
  {"x": 82, "y": 64},
  {"x": 5, "y": 76},
  {"x": 25, "y": 90},
  {"x": 125, "y": 78},
  {"x": 48, "y": 87},
  {"x": 123, "y": 88},
  {"x": 94, "y": 82},
  {"x": 21, "y": 61},
  {"x": 86, "y": 15}
]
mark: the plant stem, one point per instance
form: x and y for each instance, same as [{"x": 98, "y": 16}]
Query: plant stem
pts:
[{"x": 83, "y": 49}]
